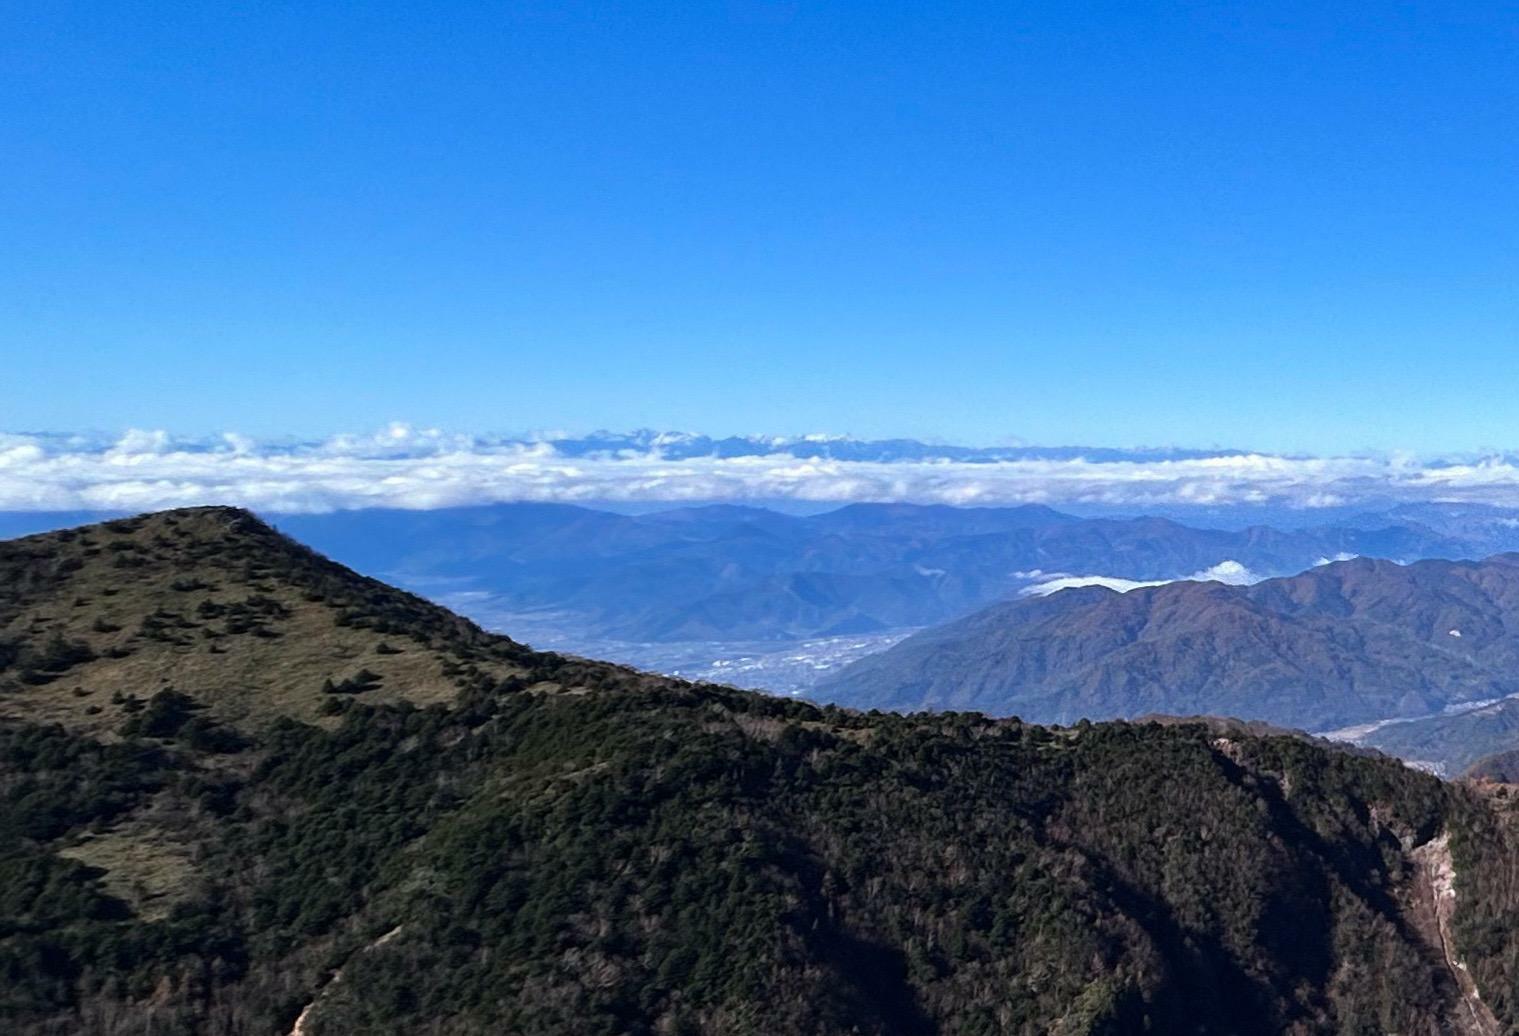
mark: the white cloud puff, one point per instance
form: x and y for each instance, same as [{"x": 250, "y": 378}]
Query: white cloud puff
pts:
[
  {"x": 406, "y": 467},
  {"x": 1062, "y": 582},
  {"x": 1227, "y": 571}
]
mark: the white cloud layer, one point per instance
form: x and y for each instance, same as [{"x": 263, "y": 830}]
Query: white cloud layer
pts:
[
  {"x": 1226, "y": 571},
  {"x": 405, "y": 467}
]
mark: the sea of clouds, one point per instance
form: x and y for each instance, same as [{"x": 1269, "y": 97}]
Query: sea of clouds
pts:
[{"x": 405, "y": 467}]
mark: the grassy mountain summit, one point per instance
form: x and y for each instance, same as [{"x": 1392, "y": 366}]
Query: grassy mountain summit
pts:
[
  {"x": 213, "y": 602},
  {"x": 244, "y": 841}
]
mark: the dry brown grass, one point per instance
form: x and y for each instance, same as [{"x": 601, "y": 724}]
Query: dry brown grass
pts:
[
  {"x": 144, "y": 867},
  {"x": 181, "y": 571}
]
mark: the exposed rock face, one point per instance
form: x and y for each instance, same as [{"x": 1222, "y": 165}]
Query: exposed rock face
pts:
[
  {"x": 1432, "y": 906},
  {"x": 302, "y": 1026}
]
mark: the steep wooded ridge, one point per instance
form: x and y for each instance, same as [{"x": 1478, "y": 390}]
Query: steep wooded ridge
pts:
[
  {"x": 504, "y": 841},
  {"x": 1343, "y": 643}
]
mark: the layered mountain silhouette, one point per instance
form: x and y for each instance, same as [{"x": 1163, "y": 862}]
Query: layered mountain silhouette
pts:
[
  {"x": 1344, "y": 643},
  {"x": 727, "y": 573},
  {"x": 246, "y": 790}
]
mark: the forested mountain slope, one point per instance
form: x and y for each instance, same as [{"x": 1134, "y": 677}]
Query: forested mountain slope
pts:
[
  {"x": 1343, "y": 643},
  {"x": 551, "y": 846}
]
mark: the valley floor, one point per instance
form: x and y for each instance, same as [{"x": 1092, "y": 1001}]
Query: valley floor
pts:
[{"x": 789, "y": 667}]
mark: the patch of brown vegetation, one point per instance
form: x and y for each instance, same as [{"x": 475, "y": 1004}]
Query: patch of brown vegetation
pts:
[{"x": 214, "y": 603}]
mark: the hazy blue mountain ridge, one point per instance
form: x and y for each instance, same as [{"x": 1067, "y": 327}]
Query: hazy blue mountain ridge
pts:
[
  {"x": 1350, "y": 642},
  {"x": 729, "y": 573}
]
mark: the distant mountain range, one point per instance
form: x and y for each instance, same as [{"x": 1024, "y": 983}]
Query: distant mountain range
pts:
[
  {"x": 1345, "y": 643},
  {"x": 402, "y": 440},
  {"x": 727, "y": 573},
  {"x": 683, "y": 445}
]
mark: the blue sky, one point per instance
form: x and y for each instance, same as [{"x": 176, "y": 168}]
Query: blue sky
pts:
[{"x": 1285, "y": 226}]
